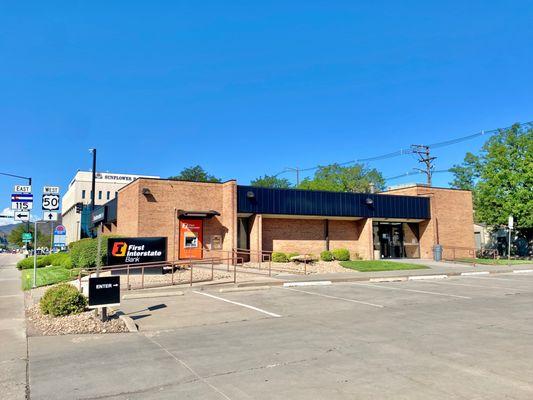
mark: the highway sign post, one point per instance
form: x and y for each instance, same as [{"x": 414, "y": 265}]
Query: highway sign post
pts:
[
  {"x": 21, "y": 216},
  {"x": 50, "y": 205},
  {"x": 21, "y": 201}
]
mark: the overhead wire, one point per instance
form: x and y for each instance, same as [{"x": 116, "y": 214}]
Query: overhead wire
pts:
[{"x": 406, "y": 151}]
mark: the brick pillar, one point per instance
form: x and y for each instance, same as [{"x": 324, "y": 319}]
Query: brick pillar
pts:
[{"x": 256, "y": 236}]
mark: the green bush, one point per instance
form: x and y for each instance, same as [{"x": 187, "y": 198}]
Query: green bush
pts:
[
  {"x": 341, "y": 254},
  {"x": 326, "y": 256},
  {"x": 63, "y": 299},
  {"x": 66, "y": 262},
  {"x": 27, "y": 263},
  {"x": 279, "y": 257},
  {"x": 83, "y": 252},
  {"x": 292, "y": 255},
  {"x": 59, "y": 258}
]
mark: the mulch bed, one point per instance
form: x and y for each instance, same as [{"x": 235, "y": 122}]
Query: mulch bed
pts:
[{"x": 39, "y": 324}]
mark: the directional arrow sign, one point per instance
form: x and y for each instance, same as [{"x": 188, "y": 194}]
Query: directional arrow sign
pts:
[
  {"x": 49, "y": 216},
  {"x": 21, "y": 216}
]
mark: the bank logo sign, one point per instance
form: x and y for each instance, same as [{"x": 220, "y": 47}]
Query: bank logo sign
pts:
[{"x": 136, "y": 250}]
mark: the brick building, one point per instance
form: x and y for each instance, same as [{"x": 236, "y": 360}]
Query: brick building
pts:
[{"x": 199, "y": 218}]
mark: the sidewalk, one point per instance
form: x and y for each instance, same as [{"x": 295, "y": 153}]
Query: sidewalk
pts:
[
  {"x": 13, "y": 345},
  {"x": 435, "y": 268}
]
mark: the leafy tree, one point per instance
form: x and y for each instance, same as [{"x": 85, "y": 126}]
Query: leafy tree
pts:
[
  {"x": 356, "y": 178},
  {"x": 466, "y": 174},
  {"x": 271, "y": 181},
  {"x": 195, "y": 174},
  {"x": 15, "y": 236},
  {"x": 501, "y": 178}
]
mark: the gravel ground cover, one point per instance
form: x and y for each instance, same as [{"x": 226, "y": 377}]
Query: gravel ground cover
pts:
[{"x": 39, "y": 324}]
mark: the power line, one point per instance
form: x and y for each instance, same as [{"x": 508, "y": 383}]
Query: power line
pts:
[
  {"x": 415, "y": 172},
  {"x": 403, "y": 152}
]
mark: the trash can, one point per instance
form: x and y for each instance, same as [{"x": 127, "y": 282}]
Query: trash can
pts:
[{"x": 437, "y": 252}]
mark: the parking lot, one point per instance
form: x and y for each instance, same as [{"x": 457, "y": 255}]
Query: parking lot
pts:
[{"x": 465, "y": 337}]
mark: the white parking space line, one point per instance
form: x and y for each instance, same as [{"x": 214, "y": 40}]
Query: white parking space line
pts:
[
  {"x": 500, "y": 279},
  {"x": 412, "y": 290},
  {"x": 239, "y": 304},
  {"x": 522, "y": 271},
  {"x": 470, "y": 285},
  {"x": 336, "y": 298}
]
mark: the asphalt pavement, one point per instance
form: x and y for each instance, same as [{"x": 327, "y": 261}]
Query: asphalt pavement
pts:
[{"x": 465, "y": 337}]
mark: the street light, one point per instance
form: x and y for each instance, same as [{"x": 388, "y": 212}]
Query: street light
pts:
[{"x": 93, "y": 183}]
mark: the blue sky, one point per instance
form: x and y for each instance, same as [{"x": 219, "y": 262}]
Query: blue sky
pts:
[{"x": 247, "y": 88}]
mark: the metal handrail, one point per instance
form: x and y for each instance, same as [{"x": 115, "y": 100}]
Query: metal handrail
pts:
[{"x": 159, "y": 264}]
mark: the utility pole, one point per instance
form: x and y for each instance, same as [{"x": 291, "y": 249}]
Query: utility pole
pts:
[
  {"x": 297, "y": 170},
  {"x": 424, "y": 157}
]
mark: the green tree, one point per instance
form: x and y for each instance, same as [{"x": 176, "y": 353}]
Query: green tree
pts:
[
  {"x": 467, "y": 173},
  {"x": 15, "y": 236},
  {"x": 271, "y": 181},
  {"x": 501, "y": 178},
  {"x": 194, "y": 174},
  {"x": 355, "y": 178}
]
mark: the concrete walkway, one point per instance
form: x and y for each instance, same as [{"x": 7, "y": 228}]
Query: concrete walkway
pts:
[
  {"x": 13, "y": 344},
  {"x": 435, "y": 268}
]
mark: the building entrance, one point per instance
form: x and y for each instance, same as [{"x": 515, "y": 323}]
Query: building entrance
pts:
[{"x": 396, "y": 240}]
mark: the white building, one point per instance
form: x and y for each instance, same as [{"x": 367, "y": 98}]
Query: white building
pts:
[{"x": 79, "y": 191}]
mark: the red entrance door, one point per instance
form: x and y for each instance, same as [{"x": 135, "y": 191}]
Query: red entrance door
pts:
[{"x": 191, "y": 238}]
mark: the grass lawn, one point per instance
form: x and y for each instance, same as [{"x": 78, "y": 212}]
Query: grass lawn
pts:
[
  {"x": 379, "y": 265},
  {"x": 48, "y": 276},
  {"x": 491, "y": 261}
]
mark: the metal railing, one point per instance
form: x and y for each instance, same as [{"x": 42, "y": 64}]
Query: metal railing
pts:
[
  {"x": 131, "y": 271},
  {"x": 261, "y": 257},
  {"x": 458, "y": 253}
]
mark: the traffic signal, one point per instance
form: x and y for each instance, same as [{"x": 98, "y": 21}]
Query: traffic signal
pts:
[{"x": 79, "y": 208}]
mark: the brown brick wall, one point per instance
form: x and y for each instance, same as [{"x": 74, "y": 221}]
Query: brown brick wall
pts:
[
  {"x": 155, "y": 213},
  {"x": 128, "y": 210},
  {"x": 307, "y": 236},
  {"x": 351, "y": 235},
  {"x": 452, "y": 220},
  {"x": 304, "y": 236}
]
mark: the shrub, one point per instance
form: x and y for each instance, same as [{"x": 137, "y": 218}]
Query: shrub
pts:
[
  {"x": 326, "y": 256},
  {"x": 290, "y": 255},
  {"x": 27, "y": 263},
  {"x": 56, "y": 259},
  {"x": 279, "y": 257},
  {"x": 341, "y": 254},
  {"x": 83, "y": 252},
  {"x": 66, "y": 262},
  {"x": 63, "y": 299}
]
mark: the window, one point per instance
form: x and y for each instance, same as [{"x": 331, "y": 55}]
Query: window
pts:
[
  {"x": 108, "y": 194},
  {"x": 83, "y": 194},
  {"x": 99, "y": 195}
]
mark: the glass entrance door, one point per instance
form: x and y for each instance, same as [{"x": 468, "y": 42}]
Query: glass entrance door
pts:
[{"x": 391, "y": 240}]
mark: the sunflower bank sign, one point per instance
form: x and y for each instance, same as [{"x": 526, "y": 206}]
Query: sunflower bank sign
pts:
[{"x": 136, "y": 250}]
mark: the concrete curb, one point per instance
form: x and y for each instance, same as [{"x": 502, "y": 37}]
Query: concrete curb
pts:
[
  {"x": 130, "y": 324},
  {"x": 387, "y": 278}
]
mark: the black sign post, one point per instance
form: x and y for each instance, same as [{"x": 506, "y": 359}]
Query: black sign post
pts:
[{"x": 104, "y": 292}]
